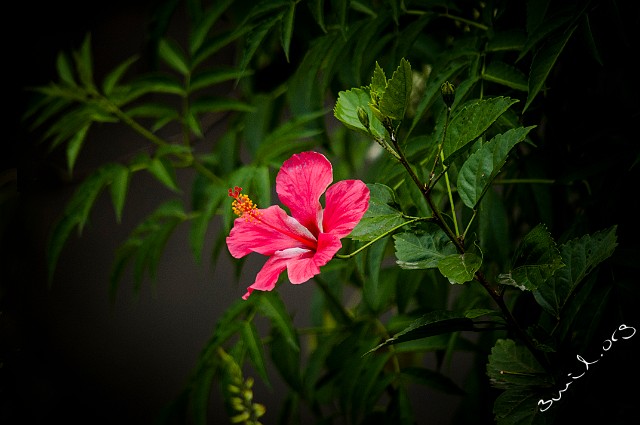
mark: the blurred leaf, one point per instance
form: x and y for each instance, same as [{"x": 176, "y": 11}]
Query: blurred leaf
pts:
[
  {"x": 162, "y": 170},
  {"x": 173, "y": 56},
  {"x": 255, "y": 37},
  {"x": 84, "y": 62},
  {"x": 74, "y": 145},
  {"x": 64, "y": 69},
  {"x": 254, "y": 347},
  {"x": 113, "y": 78},
  {"x": 516, "y": 406},
  {"x": 272, "y": 306},
  {"x": 218, "y": 104},
  {"x": 209, "y": 77},
  {"x": 202, "y": 28},
  {"x": 287, "y": 28},
  {"x": 120, "y": 176},
  {"x": 432, "y": 379},
  {"x": 146, "y": 243}
]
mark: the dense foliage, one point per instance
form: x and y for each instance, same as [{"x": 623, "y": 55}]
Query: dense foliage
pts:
[{"x": 493, "y": 137}]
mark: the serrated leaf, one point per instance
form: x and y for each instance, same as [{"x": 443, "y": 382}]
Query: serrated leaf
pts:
[
  {"x": 378, "y": 83},
  {"x": 505, "y": 74},
  {"x": 380, "y": 217},
  {"x": 520, "y": 407},
  {"x": 346, "y": 110},
  {"x": 171, "y": 53},
  {"x": 471, "y": 121},
  {"x": 513, "y": 366},
  {"x": 422, "y": 251},
  {"x": 543, "y": 62},
  {"x": 579, "y": 256},
  {"x": 397, "y": 94},
  {"x": 479, "y": 170},
  {"x": 536, "y": 260},
  {"x": 460, "y": 268}
]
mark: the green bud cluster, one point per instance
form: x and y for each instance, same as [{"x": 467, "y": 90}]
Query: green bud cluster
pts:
[{"x": 247, "y": 411}]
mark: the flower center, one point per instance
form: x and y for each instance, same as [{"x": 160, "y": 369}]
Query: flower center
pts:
[{"x": 243, "y": 206}]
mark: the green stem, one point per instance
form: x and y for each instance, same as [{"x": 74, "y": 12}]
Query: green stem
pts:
[{"x": 388, "y": 232}]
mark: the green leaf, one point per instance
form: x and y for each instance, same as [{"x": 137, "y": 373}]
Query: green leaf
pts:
[
  {"x": 84, "y": 62},
  {"x": 433, "y": 323},
  {"x": 255, "y": 38},
  {"x": 424, "y": 251},
  {"x": 432, "y": 379},
  {"x": 74, "y": 145},
  {"x": 380, "y": 217},
  {"x": 505, "y": 74},
  {"x": 377, "y": 287},
  {"x": 204, "y": 105},
  {"x": 543, "y": 63},
  {"x": 254, "y": 346},
  {"x": 471, "y": 121},
  {"x": 536, "y": 260},
  {"x": 513, "y": 366},
  {"x": 272, "y": 306},
  {"x": 479, "y": 170},
  {"x": 287, "y": 28},
  {"x": 120, "y": 176},
  {"x": 172, "y": 54},
  {"x": 76, "y": 213},
  {"x": 162, "y": 170},
  {"x": 207, "y": 200},
  {"x": 378, "y": 83},
  {"x": 520, "y": 407},
  {"x": 202, "y": 28},
  {"x": 395, "y": 100},
  {"x": 580, "y": 256},
  {"x": 112, "y": 79},
  {"x": 211, "y": 77},
  {"x": 459, "y": 268},
  {"x": 346, "y": 110},
  {"x": 146, "y": 244},
  {"x": 64, "y": 70}
]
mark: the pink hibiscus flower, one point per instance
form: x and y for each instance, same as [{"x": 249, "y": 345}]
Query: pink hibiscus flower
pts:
[{"x": 310, "y": 237}]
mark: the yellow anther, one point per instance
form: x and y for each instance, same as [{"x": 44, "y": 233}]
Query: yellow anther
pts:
[{"x": 242, "y": 206}]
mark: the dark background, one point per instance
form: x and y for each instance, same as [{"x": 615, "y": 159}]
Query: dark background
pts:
[{"x": 67, "y": 354}]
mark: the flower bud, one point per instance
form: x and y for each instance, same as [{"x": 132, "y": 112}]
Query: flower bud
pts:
[
  {"x": 448, "y": 93},
  {"x": 363, "y": 117}
]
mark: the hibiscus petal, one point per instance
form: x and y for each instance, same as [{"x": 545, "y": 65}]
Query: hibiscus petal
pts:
[
  {"x": 267, "y": 277},
  {"x": 304, "y": 268},
  {"x": 272, "y": 230},
  {"x": 300, "y": 182},
  {"x": 346, "y": 203}
]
